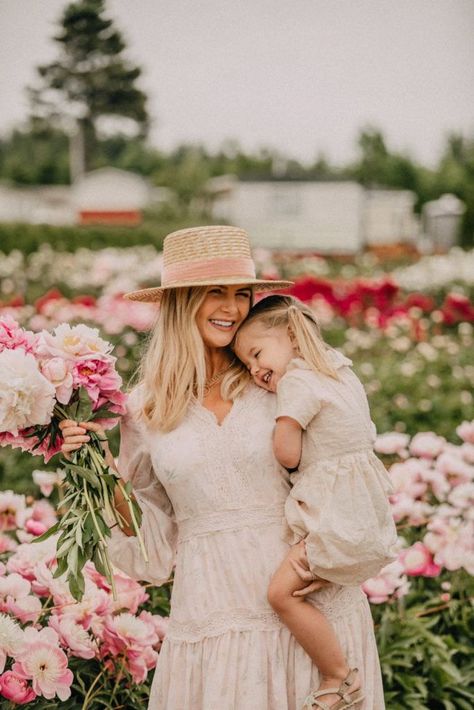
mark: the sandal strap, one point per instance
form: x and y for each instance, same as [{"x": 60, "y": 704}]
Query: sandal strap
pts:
[
  {"x": 312, "y": 700},
  {"x": 349, "y": 679}
]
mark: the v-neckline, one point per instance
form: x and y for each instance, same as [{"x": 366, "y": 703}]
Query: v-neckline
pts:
[{"x": 213, "y": 416}]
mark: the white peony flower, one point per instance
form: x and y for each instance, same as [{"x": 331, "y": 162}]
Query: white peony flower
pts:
[
  {"x": 26, "y": 396},
  {"x": 11, "y": 639},
  {"x": 71, "y": 342}
]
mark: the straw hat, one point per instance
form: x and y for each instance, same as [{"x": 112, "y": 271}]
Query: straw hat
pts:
[{"x": 206, "y": 256}]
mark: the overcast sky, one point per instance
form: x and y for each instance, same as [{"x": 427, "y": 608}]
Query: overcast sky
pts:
[{"x": 301, "y": 76}]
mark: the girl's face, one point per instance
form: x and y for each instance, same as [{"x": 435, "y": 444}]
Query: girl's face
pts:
[
  {"x": 224, "y": 308},
  {"x": 265, "y": 352}
]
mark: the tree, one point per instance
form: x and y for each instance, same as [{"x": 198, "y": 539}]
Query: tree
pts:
[{"x": 90, "y": 79}]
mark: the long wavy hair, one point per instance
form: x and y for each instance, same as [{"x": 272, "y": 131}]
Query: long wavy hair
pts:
[
  {"x": 303, "y": 328},
  {"x": 172, "y": 370}
]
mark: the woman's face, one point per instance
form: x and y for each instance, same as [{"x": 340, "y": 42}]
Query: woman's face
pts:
[{"x": 220, "y": 314}]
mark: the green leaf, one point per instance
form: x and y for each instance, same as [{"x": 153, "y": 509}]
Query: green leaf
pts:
[
  {"x": 104, "y": 413},
  {"x": 61, "y": 568},
  {"x": 84, "y": 409},
  {"x": 50, "y": 531},
  {"x": 86, "y": 473}
]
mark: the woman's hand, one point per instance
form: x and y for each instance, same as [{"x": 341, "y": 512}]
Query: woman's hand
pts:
[
  {"x": 75, "y": 435},
  {"x": 299, "y": 562}
]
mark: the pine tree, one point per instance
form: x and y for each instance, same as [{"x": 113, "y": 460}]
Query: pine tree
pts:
[{"x": 90, "y": 79}]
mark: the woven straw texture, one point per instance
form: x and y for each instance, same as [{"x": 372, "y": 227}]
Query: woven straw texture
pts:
[{"x": 205, "y": 243}]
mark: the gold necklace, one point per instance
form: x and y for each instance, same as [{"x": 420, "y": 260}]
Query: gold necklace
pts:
[{"x": 215, "y": 379}]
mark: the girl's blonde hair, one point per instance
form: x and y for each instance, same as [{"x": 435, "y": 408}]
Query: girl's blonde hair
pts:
[
  {"x": 172, "y": 371},
  {"x": 303, "y": 327}
]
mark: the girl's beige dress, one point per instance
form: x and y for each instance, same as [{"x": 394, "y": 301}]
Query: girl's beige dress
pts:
[
  {"x": 213, "y": 502},
  {"x": 339, "y": 500}
]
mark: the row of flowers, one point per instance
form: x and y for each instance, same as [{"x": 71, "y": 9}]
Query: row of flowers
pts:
[
  {"x": 369, "y": 303},
  {"x": 42, "y": 627},
  {"x": 433, "y": 506},
  {"x": 115, "y": 270}
]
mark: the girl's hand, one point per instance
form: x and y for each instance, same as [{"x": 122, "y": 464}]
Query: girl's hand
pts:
[
  {"x": 299, "y": 562},
  {"x": 75, "y": 435}
]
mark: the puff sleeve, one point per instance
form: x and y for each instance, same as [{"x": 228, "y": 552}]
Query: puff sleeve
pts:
[
  {"x": 158, "y": 527},
  {"x": 297, "y": 397}
]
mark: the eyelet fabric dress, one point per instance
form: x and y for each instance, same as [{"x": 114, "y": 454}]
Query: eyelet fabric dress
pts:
[
  {"x": 339, "y": 500},
  {"x": 213, "y": 501}
]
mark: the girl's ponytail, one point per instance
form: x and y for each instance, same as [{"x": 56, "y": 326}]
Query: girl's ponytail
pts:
[{"x": 304, "y": 331}]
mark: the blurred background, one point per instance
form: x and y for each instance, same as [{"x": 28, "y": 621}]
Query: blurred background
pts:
[{"x": 341, "y": 136}]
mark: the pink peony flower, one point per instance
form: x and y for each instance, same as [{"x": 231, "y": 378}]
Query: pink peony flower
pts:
[
  {"x": 27, "y": 556},
  {"x": 16, "y": 600},
  {"x": 14, "y": 337},
  {"x": 25, "y": 609},
  {"x": 35, "y": 520},
  {"x": 73, "y": 636},
  {"x": 11, "y": 506},
  {"x": 391, "y": 443},
  {"x": 16, "y": 689},
  {"x": 418, "y": 561},
  {"x": 46, "y": 480},
  {"x": 427, "y": 445},
  {"x": 99, "y": 377},
  {"x": 7, "y": 544},
  {"x": 130, "y": 594},
  {"x": 58, "y": 372},
  {"x": 125, "y": 630},
  {"x": 43, "y": 663},
  {"x": 465, "y": 431},
  {"x": 26, "y": 396},
  {"x": 390, "y": 582},
  {"x": 160, "y": 623},
  {"x": 451, "y": 464}
]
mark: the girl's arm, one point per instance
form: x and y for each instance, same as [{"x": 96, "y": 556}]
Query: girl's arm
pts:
[{"x": 287, "y": 442}]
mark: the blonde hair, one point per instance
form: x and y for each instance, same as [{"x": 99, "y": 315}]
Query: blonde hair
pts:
[
  {"x": 303, "y": 327},
  {"x": 172, "y": 371}
]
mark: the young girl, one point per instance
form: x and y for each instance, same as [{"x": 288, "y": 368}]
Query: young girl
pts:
[{"x": 338, "y": 504}]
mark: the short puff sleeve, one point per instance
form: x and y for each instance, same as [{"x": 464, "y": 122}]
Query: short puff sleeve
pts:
[
  {"x": 158, "y": 526},
  {"x": 296, "y": 394}
]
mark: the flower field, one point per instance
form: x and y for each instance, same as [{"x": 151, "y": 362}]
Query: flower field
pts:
[{"x": 409, "y": 331}]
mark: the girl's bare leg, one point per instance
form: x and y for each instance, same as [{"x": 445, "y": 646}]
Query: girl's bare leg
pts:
[{"x": 309, "y": 626}]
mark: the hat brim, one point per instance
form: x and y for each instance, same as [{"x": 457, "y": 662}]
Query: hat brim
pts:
[{"x": 152, "y": 295}]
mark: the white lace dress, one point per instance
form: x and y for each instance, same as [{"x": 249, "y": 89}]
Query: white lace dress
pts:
[{"x": 213, "y": 503}]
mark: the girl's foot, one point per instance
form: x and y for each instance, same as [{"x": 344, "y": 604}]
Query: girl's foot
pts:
[{"x": 333, "y": 694}]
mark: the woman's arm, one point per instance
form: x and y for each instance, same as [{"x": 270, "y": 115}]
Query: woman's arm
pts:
[{"x": 287, "y": 442}]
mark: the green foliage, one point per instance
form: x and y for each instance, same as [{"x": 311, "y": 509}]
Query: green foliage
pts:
[
  {"x": 425, "y": 648},
  {"x": 90, "y": 78},
  {"x": 29, "y": 237}
]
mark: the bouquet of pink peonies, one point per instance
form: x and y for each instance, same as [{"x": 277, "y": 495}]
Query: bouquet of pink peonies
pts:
[{"x": 44, "y": 379}]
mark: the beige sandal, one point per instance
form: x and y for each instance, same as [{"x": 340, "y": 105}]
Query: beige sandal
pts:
[{"x": 348, "y": 700}]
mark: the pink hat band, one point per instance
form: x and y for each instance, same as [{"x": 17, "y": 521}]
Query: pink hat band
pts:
[{"x": 205, "y": 269}]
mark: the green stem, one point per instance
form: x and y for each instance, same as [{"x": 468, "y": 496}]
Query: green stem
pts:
[
  {"x": 91, "y": 508},
  {"x": 119, "y": 678},
  {"x": 110, "y": 575},
  {"x": 89, "y": 692},
  {"x": 101, "y": 465},
  {"x": 134, "y": 520}
]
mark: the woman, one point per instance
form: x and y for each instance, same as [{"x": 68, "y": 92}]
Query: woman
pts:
[{"x": 197, "y": 446}]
